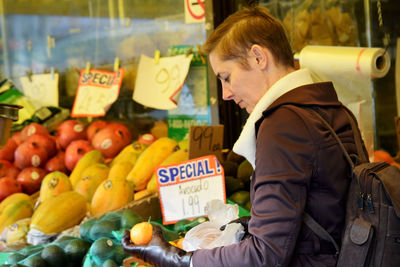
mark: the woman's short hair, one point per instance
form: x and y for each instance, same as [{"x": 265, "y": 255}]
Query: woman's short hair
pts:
[{"x": 233, "y": 38}]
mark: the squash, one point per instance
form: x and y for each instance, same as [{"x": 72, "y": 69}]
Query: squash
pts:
[{"x": 59, "y": 213}]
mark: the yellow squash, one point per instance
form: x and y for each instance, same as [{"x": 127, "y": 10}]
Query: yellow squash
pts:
[
  {"x": 59, "y": 213},
  {"x": 111, "y": 195},
  {"x": 89, "y": 158},
  {"x": 151, "y": 158},
  {"x": 175, "y": 158},
  {"x": 54, "y": 184},
  {"x": 90, "y": 180}
]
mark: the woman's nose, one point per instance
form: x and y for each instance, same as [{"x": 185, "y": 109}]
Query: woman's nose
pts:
[{"x": 226, "y": 93}]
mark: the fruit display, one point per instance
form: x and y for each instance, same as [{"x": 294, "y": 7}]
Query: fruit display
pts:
[{"x": 82, "y": 179}]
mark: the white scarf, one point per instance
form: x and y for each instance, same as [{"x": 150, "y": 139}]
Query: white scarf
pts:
[{"x": 246, "y": 143}]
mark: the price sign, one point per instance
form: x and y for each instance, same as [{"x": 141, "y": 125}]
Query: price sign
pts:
[
  {"x": 206, "y": 140},
  {"x": 42, "y": 88},
  {"x": 158, "y": 84},
  {"x": 184, "y": 189},
  {"x": 96, "y": 92}
]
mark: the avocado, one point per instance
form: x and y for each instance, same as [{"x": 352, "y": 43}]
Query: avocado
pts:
[
  {"x": 54, "y": 255},
  {"x": 103, "y": 228},
  {"x": 232, "y": 156},
  {"x": 129, "y": 218},
  {"x": 240, "y": 197},
  {"x": 230, "y": 167},
  {"x": 110, "y": 263},
  {"x": 35, "y": 261},
  {"x": 15, "y": 257},
  {"x": 233, "y": 184},
  {"x": 64, "y": 241},
  {"x": 76, "y": 250},
  {"x": 102, "y": 249},
  {"x": 84, "y": 229}
]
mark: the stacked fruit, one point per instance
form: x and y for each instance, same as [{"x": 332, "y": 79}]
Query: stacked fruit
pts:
[{"x": 238, "y": 172}]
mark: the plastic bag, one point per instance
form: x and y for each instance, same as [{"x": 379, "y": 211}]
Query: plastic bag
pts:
[{"x": 208, "y": 235}]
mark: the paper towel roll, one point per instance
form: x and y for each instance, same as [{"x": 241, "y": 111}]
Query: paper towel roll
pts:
[{"x": 366, "y": 62}]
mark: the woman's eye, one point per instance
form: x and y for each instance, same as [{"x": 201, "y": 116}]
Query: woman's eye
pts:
[{"x": 226, "y": 80}]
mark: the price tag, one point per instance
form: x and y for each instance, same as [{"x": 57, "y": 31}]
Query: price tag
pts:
[
  {"x": 96, "y": 92},
  {"x": 159, "y": 82},
  {"x": 206, "y": 140},
  {"x": 184, "y": 189},
  {"x": 42, "y": 88}
]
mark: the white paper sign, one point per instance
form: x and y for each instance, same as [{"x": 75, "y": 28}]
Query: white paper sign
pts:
[
  {"x": 158, "y": 84},
  {"x": 96, "y": 92},
  {"x": 42, "y": 89},
  {"x": 186, "y": 188},
  {"x": 195, "y": 11}
]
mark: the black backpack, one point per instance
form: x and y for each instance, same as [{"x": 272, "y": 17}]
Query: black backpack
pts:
[{"x": 372, "y": 228}]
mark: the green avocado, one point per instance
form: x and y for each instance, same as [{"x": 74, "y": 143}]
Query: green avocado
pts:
[
  {"x": 103, "y": 228},
  {"x": 240, "y": 197},
  {"x": 76, "y": 250},
  {"x": 233, "y": 184},
  {"x": 129, "y": 218},
  {"x": 54, "y": 255}
]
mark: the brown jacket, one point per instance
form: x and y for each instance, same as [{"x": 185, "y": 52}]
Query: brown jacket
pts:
[{"x": 299, "y": 167}]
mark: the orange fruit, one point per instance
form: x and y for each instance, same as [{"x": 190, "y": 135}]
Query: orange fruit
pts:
[{"x": 141, "y": 233}]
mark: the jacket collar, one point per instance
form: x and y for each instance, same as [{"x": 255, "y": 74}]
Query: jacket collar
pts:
[
  {"x": 246, "y": 143},
  {"x": 316, "y": 94}
]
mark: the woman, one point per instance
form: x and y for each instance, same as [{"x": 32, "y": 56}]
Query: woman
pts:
[{"x": 298, "y": 165}]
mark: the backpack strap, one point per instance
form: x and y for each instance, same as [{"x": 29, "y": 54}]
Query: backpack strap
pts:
[
  {"x": 319, "y": 230},
  {"x": 307, "y": 219}
]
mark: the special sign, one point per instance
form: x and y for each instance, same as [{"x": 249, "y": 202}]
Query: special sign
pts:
[
  {"x": 185, "y": 188},
  {"x": 96, "y": 92}
]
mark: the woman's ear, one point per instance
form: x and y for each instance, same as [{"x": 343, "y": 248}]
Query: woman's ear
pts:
[{"x": 260, "y": 55}]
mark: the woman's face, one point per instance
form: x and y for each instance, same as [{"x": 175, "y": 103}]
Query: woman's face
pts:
[{"x": 244, "y": 86}]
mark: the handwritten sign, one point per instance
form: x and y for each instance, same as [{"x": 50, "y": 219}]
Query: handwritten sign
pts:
[
  {"x": 96, "y": 92},
  {"x": 184, "y": 189},
  {"x": 158, "y": 84},
  {"x": 194, "y": 11},
  {"x": 42, "y": 88},
  {"x": 206, "y": 140}
]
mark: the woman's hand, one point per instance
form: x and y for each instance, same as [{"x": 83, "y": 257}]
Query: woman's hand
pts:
[{"x": 158, "y": 252}]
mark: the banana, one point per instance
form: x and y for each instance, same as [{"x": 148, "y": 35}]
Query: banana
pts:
[
  {"x": 130, "y": 153},
  {"x": 90, "y": 158},
  {"x": 175, "y": 158},
  {"x": 149, "y": 159},
  {"x": 15, "y": 211}
]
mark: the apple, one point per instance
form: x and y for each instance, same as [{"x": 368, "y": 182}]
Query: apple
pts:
[
  {"x": 7, "y": 169},
  {"x": 8, "y": 186},
  {"x": 30, "y": 154},
  {"x": 31, "y": 129},
  {"x": 17, "y": 137},
  {"x": 147, "y": 139},
  {"x": 7, "y": 151},
  {"x": 56, "y": 163},
  {"x": 45, "y": 141},
  {"x": 69, "y": 131},
  {"x": 30, "y": 179},
  {"x": 111, "y": 139},
  {"x": 75, "y": 150},
  {"x": 94, "y": 127}
]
